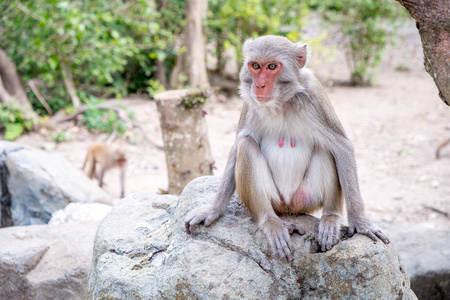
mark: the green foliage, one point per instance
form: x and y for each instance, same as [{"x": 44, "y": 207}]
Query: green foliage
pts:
[
  {"x": 231, "y": 22},
  {"x": 13, "y": 131},
  {"x": 103, "y": 44},
  {"x": 132, "y": 115},
  {"x": 13, "y": 119},
  {"x": 155, "y": 87},
  {"x": 105, "y": 121},
  {"x": 62, "y": 137},
  {"x": 195, "y": 99},
  {"x": 366, "y": 26}
]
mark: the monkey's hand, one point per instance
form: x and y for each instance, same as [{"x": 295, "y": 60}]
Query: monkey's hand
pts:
[
  {"x": 326, "y": 232},
  {"x": 364, "y": 226},
  {"x": 206, "y": 214},
  {"x": 278, "y": 235}
]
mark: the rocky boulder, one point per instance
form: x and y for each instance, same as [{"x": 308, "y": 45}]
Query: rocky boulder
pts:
[
  {"x": 46, "y": 261},
  {"x": 426, "y": 254},
  {"x": 142, "y": 252},
  {"x": 35, "y": 183}
]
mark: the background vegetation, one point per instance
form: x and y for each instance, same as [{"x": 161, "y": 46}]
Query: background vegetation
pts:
[{"x": 81, "y": 49}]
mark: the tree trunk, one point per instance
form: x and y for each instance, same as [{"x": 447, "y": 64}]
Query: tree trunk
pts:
[
  {"x": 160, "y": 73},
  {"x": 10, "y": 85},
  {"x": 11, "y": 88},
  {"x": 192, "y": 63},
  {"x": 186, "y": 144},
  {"x": 69, "y": 84},
  {"x": 221, "y": 60},
  {"x": 433, "y": 21},
  {"x": 195, "y": 62}
]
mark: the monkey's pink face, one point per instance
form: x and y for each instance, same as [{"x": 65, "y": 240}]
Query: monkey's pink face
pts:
[{"x": 264, "y": 75}]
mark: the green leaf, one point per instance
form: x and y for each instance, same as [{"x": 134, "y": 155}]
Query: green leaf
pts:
[{"x": 13, "y": 131}]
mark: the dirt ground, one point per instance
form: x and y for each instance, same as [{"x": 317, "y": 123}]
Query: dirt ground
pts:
[{"x": 395, "y": 128}]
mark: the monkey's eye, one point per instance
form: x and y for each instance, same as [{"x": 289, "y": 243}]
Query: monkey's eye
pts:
[
  {"x": 272, "y": 66},
  {"x": 255, "y": 66}
]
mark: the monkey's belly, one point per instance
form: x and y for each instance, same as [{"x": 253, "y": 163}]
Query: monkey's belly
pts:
[{"x": 288, "y": 163}]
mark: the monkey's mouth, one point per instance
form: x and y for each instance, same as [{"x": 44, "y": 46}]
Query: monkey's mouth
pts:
[{"x": 262, "y": 98}]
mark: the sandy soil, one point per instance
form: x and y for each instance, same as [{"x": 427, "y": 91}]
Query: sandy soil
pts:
[{"x": 395, "y": 127}]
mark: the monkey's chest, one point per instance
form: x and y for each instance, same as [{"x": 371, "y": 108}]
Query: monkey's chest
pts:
[{"x": 288, "y": 160}]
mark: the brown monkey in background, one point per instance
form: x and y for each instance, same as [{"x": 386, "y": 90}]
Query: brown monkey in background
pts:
[
  {"x": 438, "y": 150},
  {"x": 291, "y": 154},
  {"x": 105, "y": 157}
]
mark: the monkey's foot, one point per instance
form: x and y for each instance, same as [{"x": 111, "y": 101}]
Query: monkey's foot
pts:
[
  {"x": 326, "y": 232},
  {"x": 364, "y": 226},
  {"x": 204, "y": 214},
  {"x": 278, "y": 234}
]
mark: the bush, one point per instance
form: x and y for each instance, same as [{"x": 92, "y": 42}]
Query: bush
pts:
[
  {"x": 105, "y": 121},
  {"x": 104, "y": 47},
  {"x": 366, "y": 26},
  {"x": 14, "y": 121}
]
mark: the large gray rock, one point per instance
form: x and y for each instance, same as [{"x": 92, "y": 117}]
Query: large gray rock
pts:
[
  {"x": 142, "y": 252},
  {"x": 40, "y": 183},
  {"x": 426, "y": 254},
  {"x": 46, "y": 261}
]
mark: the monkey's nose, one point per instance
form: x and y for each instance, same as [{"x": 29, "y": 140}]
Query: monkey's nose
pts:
[{"x": 260, "y": 86}]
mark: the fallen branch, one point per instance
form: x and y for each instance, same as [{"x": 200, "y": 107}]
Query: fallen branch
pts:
[
  {"x": 111, "y": 137},
  {"x": 40, "y": 97},
  {"x": 437, "y": 210}
]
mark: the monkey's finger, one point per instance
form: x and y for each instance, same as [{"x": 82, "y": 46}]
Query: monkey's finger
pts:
[
  {"x": 187, "y": 227},
  {"x": 351, "y": 230},
  {"x": 295, "y": 227},
  {"x": 382, "y": 237},
  {"x": 190, "y": 223},
  {"x": 277, "y": 248},
  {"x": 331, "y": 240},
  {"x": 316, "y": 229},
  {"x": 321, "y": 232},
  {"x": 286, "y": 250},
  {"x": 370, "y": 234},
  {"x": 299, "y": 229},
  {"x": 209, "y": 220},
  {"x": 287, "y": 240}
]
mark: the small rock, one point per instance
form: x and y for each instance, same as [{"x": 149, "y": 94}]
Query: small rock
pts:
[
  {"x": 435, "y": 184},
  {"x": 423, "y": 178},
  {"x": 49, "y": 147},
  {"x": 80, "y": 212}
]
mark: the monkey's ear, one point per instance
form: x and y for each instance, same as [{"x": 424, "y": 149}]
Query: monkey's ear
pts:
[
  {"x": 302, "y": 54},
  {"x": 246, "y": 46}
]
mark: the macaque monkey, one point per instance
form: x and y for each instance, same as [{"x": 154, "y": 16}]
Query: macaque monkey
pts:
[
  {"x": 105, "y": 157},
  {"x": 438, "y": 150},
  {"x": 291, "y": 154}
]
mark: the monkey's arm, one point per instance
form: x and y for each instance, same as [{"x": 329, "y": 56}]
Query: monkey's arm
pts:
[
  {"x": 346, "y": 166},
  {"x": 329, "y": 126}
]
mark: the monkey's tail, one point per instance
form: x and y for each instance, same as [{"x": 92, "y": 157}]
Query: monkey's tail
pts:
[{"x": 445, "y": 143}]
